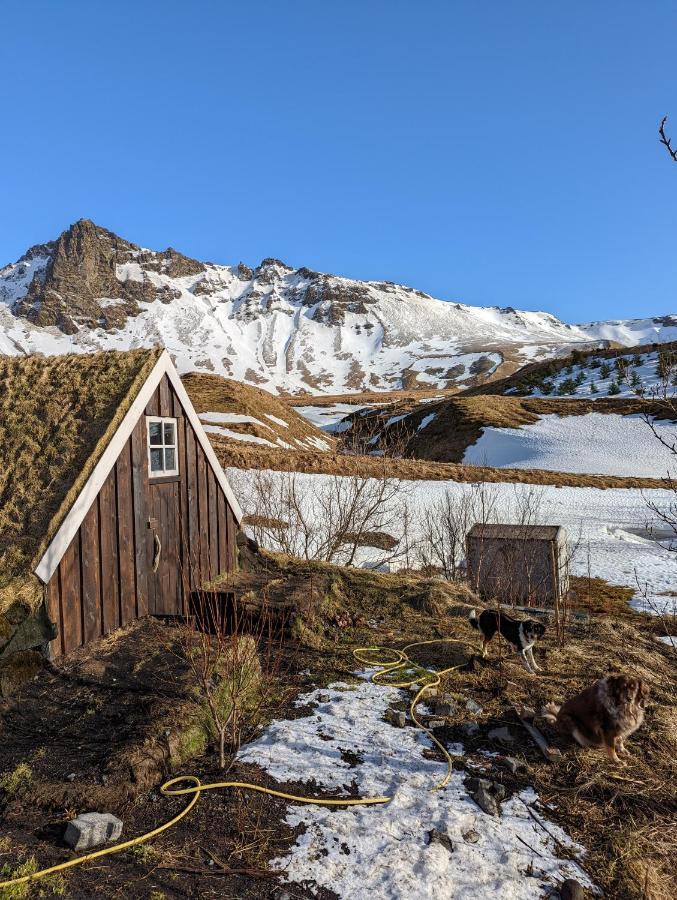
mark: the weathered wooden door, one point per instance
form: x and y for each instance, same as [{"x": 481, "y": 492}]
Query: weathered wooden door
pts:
[{"x": 165, "y": 576}]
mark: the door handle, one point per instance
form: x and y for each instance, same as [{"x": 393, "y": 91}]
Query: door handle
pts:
[{"x": 157, "y": 544}]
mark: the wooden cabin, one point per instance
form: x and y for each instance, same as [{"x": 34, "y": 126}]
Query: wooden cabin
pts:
[
  {"x": 112, "y": 501},
  {"x": 518, "y": 564}
]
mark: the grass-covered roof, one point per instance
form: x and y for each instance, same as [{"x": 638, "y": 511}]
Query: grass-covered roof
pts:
[{"x": 57, "y": 415}]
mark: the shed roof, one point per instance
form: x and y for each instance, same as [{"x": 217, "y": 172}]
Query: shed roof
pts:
[
  {"x": 57, "y": 415},
  {"x": 516, "y": 532}
]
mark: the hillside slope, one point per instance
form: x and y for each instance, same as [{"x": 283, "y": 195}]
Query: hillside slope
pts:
[
  {"x": 290, "y": 330},
  {"x": 568, "y": 435},
  {"x": 246, "y": 414}
]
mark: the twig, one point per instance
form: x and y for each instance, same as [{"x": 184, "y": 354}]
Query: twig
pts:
[
  {"x": 247, "y": 872},
  {"x": 665, "y": 140},
  {"x": 528, "y": 846}
]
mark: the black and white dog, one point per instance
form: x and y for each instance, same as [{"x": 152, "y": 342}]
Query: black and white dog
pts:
[{"x": 521, "y": 633}]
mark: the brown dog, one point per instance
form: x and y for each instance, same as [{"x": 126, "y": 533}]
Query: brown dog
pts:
[{"x": 602, "y": 715}]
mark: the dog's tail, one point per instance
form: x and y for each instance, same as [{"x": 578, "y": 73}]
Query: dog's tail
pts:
[
  {"x": 472, "y": 618},
  {"x": 550, "y": 711}
]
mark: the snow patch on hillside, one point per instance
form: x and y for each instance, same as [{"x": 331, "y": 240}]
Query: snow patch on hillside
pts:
[{"x": 593, "y": 443}]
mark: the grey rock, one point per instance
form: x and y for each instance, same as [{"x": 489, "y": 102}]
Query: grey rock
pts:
[
  {"x": 485, "y": 801},
  {"x": 570, "y": 889},
  {"x": 430, "y": 693},
  {"x": 397, "y": 718},
  {"x": 439, "y": 837},
  {"x": 486, "y": 794},
  {"x": 514, "y": 765},
  {"x": 323, "y": 698},
  {"x": 435, "y": 723},
  {"x": 502, "y": 734},
  {"x": 473, "y": 707},
  {"x": 471, "y": 729},
  {"x": 444, "y": 708},
  {"x": 33, "y": 631},
  {"x": 471, "y": 837},
  {"x": 71, "y": 777},
  {"x": 92, "y": 829}
]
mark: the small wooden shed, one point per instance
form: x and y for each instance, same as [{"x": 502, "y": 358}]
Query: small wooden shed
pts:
[
  {"x": 520, "y": 564},
  {"x": 113, "y": 505}
]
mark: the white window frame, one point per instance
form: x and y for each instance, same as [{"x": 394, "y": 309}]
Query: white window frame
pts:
[{"x": 162, "y": 420}]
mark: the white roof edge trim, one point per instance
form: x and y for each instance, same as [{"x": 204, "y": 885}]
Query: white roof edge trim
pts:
[
  {"x": 201, "y": 435},
  {"x": 69, "y": 527}
]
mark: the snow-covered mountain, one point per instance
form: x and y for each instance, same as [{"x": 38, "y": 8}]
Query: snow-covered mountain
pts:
[{"x": 284, "y": 329}]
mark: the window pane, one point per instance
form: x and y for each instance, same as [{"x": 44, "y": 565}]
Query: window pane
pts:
[
  {"x": 155, "y": 432},
  {"x": 169, "y": 433},
  {"x": 156, "y": 460},
  {"x": 170, "y": 459}
]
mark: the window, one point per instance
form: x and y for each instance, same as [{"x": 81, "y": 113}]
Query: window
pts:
[{"x": 163, "y": 458}]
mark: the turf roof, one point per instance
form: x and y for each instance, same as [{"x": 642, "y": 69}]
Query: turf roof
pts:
[{"x": 57, "y": 415}]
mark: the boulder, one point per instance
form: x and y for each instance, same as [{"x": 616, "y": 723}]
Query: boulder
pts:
[{"x": 90, "y": 830}]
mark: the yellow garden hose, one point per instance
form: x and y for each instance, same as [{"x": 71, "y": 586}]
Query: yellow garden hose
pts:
[{"x": 387, "y": 668}]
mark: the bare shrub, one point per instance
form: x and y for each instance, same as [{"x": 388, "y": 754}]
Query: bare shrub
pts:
[
  {"x": 327, "y": 519},
  {"x": 445, "y": 524},
  {"x": 234, "y": 658}
]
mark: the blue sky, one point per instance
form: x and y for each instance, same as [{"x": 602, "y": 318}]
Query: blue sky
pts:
[{"x": 485, "y": 151}]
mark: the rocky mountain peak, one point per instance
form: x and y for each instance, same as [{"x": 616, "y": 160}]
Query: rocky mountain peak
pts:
[{"x": 86, "y": 282}]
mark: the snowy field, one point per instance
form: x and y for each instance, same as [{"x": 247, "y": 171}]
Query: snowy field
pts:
[
  {"x": 609, "y": 527},
  {"x": 384, "y": 851},
  {"x": 593, "y": 443}
]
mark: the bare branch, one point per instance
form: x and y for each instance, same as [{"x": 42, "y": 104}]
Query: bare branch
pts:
[{"x": 665, "y": 140}]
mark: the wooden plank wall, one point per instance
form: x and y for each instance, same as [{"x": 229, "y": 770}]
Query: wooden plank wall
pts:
[{"x": 105, "y": 578}]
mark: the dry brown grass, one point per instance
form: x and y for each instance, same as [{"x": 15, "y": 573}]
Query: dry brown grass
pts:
[
  {"x": 213, "y": 393},
  {"x": 57, "y": 414},
  {"x": 232, "y": 453}
]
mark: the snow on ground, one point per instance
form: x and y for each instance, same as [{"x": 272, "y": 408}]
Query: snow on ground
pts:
[
  {"x": 238, "y": 435},
  {"x": 327, "y": 417},
  {"x": 608, "y": 526},
  {"x": 383, "y": 851},
  {"x": 669, "y": 639},
  {"x": 225, "y": 418},
  {"x": 426, "y": 420},
  {"x": 593, "y": 443},
  {"x": 277, "y": 421}
]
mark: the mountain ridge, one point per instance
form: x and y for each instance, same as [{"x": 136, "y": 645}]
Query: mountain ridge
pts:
[{"x": 288, "y": 330}]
